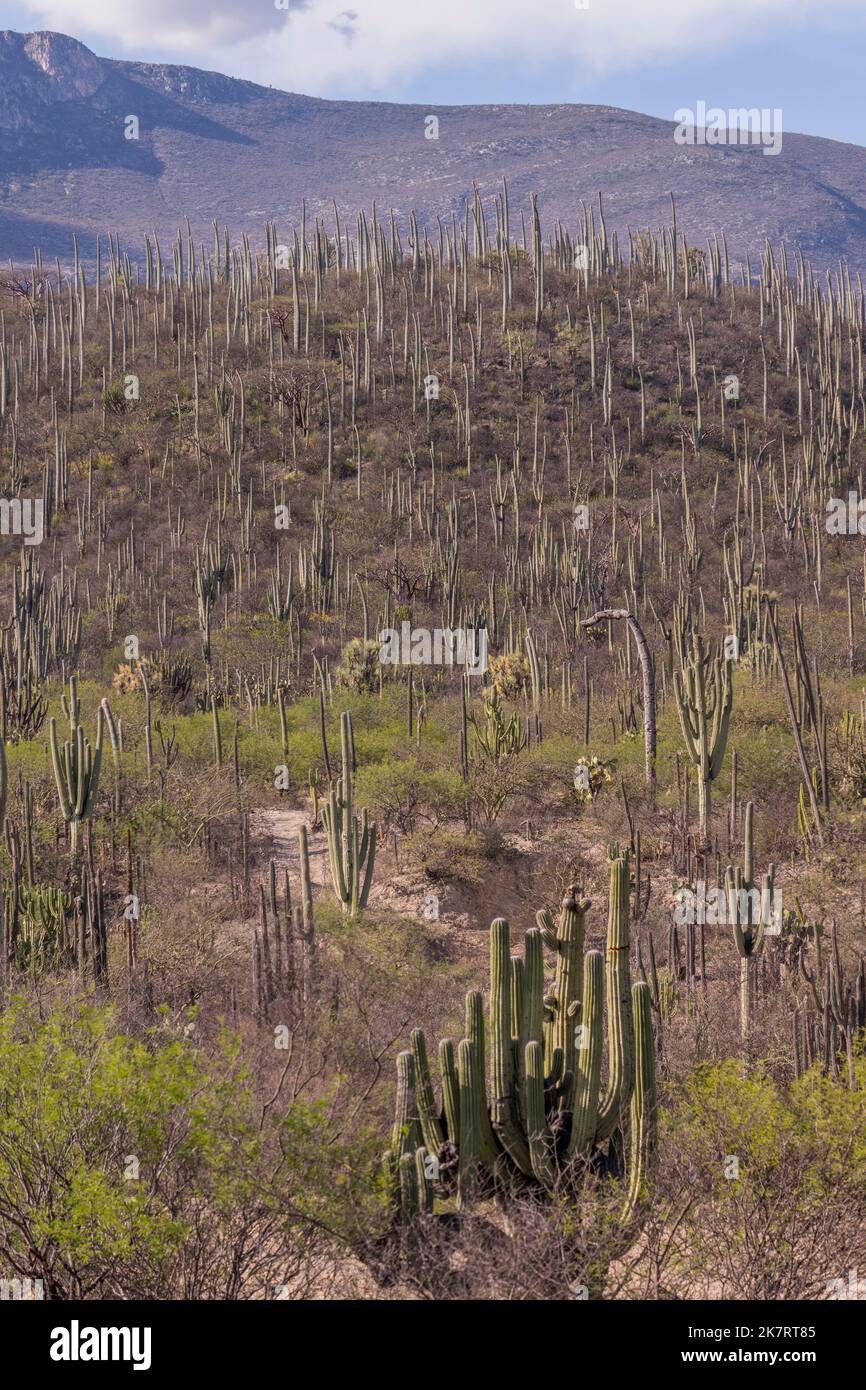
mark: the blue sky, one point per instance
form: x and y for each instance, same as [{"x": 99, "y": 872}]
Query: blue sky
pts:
[{"x": 807, "y": 57}]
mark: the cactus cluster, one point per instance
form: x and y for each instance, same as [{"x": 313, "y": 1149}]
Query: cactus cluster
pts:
[
  {"x": 836, "y": 1014},
  {"x": 522, "y": 1096}
]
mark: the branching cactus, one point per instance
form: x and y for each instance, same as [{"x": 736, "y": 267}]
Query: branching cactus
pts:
[
  {"x": 351, "y": 843},
  {"x": 46, "y": 936},
  {"x": 750, "y": 912},
  {"x": 704, "y": 694},
  {"x": 540, "y": 1114},
  {"x": 76, "y": 768}
]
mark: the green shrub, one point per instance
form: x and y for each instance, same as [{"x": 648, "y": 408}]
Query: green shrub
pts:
[
  {"x": 145, "y": 1167},
  {"x": 450, "y": 855}
]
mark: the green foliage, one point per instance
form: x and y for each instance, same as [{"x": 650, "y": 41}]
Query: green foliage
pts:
[
  {"x": 402, "y": 791},
  {"x": 450, "y": 855},
  {"x": 114, "y": 1150}
]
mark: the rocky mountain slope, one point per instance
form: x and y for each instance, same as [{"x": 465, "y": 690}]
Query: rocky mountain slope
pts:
[{"x": 211, "y": 146}]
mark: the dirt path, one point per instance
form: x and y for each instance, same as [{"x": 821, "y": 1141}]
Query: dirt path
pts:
[
  {"x": 448, "y": 912},
  {"x": 275, "y": 831},
  {"x": 457, "y": 915}
]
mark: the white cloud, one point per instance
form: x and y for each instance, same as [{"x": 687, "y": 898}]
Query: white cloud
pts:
[{"x": 367, "y": 47}]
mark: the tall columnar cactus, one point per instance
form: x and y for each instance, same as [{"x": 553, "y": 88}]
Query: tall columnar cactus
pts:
[
  {"x": 539, "y": 1115},
  {"x": 620, "y": 1081},
  {"x": 750, "y": 912},
  {"x": 210, "y": 570},
  {"x": 351, "y": 843},
  {"x": 704, "y": 694},
  {"x": 642, "y": 1101},
  {"x": 648, "y": 675},
  {"x": 76, "y": 768}
]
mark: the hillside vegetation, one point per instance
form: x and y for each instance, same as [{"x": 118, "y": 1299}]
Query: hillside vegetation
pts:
[{"x": 252, "y": 853}]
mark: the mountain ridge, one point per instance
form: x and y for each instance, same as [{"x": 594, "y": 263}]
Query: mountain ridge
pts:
[{"x": 212, "y": 146}]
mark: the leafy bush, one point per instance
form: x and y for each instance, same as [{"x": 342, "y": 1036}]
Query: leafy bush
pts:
[
  {"x": 398, "y": 793},
  {"x": 449, "y": 855},
  {"x": 148, "y": 1168}
]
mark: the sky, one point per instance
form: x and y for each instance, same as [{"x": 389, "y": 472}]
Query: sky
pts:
[{"x": 805, "y": 57}]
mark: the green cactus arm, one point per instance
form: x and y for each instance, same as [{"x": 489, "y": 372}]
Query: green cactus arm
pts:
[
  {"x": 536, "y": 1123},
  {"x": 60, "y": 772},
  {"x": 352, "y": 881},
  {"x": 427, "y": 1111},
  {"x": 732, "y": 896},
  {"x": 532, "y": 1013},
  {"x": 406, "y": 1134},
  {"x": 365, "y": 839},
  {"x": 370, "y": 865},
  {"x": 587, "y": 1079},
  {"x": 643, "y": 1102},
  {"x": 547, "y": 926},
  {"x": 690, "y": 732},
  {"x": 517, "y": 995},
  {"x": 425, "y": 1183},
  {"x": 95, "y": 769},
  {"x": 749, "y": 843},
  {"x": 488, "y": 1148},
  {"x": 306, "y": 881},
  {"x": 619, "y": 1020},
  {"x": 331, "y": 817},
  {"x": 502, "y": 1058},
  {"x": 568, "y": 982},
  {"x": 721, "y": 720},
  {"x": 470, "y": 1138},
  {"x": 409, "y": 1197},
  {"x": 557, "y": 1069},
  {"x": 450, "y": 1090}
]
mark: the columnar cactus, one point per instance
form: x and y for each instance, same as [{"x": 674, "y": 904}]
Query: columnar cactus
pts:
[
  {"x": 620, "y": 1081},
  {"x": 704, "y": 695},
  {"x": 642, "y": 1100},
  {"x": 749, "y": 919},
  {"x": 351, "y": 844},
  {"x": 543, "y": 1115},
  {"x": 76, "y": 768},
  {"x": 838, "y": 1013}
]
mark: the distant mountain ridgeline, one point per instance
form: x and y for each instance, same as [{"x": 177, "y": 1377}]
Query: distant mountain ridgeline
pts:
[{"x": 207, "y": 146}]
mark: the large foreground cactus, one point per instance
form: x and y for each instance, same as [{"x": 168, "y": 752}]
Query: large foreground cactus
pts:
[{"x": 538, "y": 1115}]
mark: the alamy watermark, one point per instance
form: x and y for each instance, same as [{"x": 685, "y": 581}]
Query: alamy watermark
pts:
[
  {"x": 21, "y": 1290},
  {"x": 421, "y": 646},
  {"x": 77, "y": 1343},
  {"x": 846, "y": 517},
  {"x": 723, "y": 907},
  {"x": 738, "y": 126},
  {"x": 852, "y": 1287},
  {"x": 23, "y": 516}
]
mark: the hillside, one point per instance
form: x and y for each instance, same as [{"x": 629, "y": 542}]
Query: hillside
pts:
[{"x": 251, "y": 850}]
